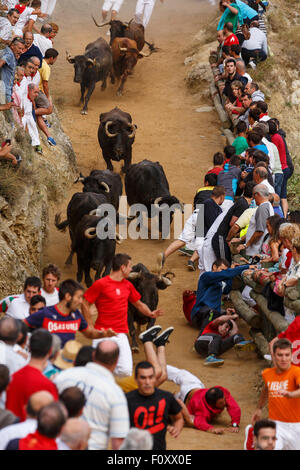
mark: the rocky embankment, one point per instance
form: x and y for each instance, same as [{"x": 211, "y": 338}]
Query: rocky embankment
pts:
[{"x": 25, "y": 197}]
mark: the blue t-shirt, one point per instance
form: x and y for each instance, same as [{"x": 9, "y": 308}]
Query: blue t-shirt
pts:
[
  {"x": 8, "y": 72},
  {"x": 65, "y": 326},
  {"x": 245, "y": 11}
]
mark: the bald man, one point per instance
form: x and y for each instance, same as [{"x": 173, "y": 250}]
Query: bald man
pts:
[
  {"x": 260, "y": 176},
  {"x": 75, "y": 435},
  {"x": 106, "y": 406},
  {"x": 37, "y": 401}
]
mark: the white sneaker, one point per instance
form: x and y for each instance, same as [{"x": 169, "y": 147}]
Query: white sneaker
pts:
[{"x": 252, "y": 64}]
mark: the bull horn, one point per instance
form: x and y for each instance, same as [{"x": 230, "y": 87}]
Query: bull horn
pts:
[
  {"x": 144, "y": 54},
  {"x": 69, "y": 57},
  {"x": 133, "y": 127},
  {"x": 107, "y": 131},
  {"x": 166, "y": 281},
  {"x": 92, "y": 61},
  {"x": 80, "y": 179},
  {"x": 93, "y": 212},
  {"x": 134, "y": 275},
  {"x": 90, "y": 233},
  {"x": 157, "y": 201},
  {"x": 100, "y": 25},
  {"x": 123, "y": 49},
  {"x": 105, "y": 186}
]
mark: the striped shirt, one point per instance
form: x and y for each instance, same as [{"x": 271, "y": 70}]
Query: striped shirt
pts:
[{"x": 106, "y": 408}]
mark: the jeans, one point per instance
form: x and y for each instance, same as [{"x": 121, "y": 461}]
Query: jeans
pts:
[
  {"x": 258, "y": 55},
  {"x": 278, "y": 183},
  {"x": 211, "y": 343}
]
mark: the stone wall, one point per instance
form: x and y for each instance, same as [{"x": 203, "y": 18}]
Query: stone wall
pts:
[{"x": 39, "y": 181}]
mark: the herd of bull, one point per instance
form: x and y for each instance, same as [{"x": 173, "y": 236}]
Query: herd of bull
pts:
[
  {"x": 145, "y": 183},
  {"x": 117, "y": 59}
]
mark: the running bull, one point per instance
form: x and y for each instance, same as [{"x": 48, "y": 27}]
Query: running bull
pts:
[
  {"x": 91, "y": 67},
  {"x": 92, "y": 252},
  {"x": 146, "y": 183},
  {"x": 147, "y": 284},
  {"x": 116, "y": 134}
]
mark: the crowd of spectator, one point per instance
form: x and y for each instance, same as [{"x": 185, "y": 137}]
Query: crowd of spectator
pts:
[
  {"x": 55, "y": 393},
  {"x": 26, "y": 57}
]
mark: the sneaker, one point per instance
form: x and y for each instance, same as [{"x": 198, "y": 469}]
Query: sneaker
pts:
[
  {"x": 150, "y": 334},
  {"x": 51, "y": 141},
  {"x": 252, "y": 64},
  {"x": 38, "y": 149},
  {"x": 163, "y": 338},
  {"x": 268, "y": 357},
  {"x": 249, "y": 441},
  {"x": 191, "y": 265},
  {"x": 185, "y": 251},
  {"x": 213, "y": 361},
  {"x": 160, "y": 261},
  {"x": 47, "y": 123},
  {"x": 245, "y": 346}
]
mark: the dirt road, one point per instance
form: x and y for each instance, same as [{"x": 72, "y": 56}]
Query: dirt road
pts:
[{"x": 183, "y": 141}]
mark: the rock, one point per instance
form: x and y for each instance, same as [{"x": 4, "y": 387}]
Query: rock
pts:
[
  {"x": 295, "y": 97},
  {"x": 204, "y": 109}
]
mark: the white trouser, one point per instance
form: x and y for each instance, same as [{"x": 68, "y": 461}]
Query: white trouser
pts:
[
  {"x": 48, "y": 6},
  {"x": 184, "y": 379},
  {"x": 125, "y": 364},
  {"x": 112, "y": 5},
  {"x": 144, "y": 7},
  {"x": 288, "y": 436},
  {"x": 29, "y": 122},
  {"x": 246, "y": 296}
]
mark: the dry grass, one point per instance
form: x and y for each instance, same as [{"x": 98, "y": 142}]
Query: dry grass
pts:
[{"x": 292, "y": 44}]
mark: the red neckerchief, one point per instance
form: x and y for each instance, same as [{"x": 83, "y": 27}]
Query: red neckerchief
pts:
[
  {"x": 19, "y": 83},
  {"x": 263, "y": 114},
  {"x": 37, "y": 441},
  {"x": 29, "y": 97},
  {"x": 20, "y": 8}
]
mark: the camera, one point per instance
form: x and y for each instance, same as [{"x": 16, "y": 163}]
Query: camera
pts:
[{"x": 254, "y": 260}]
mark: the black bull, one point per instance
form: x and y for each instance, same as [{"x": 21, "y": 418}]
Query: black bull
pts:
[
  {"x": 91, "y": 67},
  {"x": 116, "y": 134},
  {"x": 91, "y": 251},
  {"x": 147, "y": 284}
]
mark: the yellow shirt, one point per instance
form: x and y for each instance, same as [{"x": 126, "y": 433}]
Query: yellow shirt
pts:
[{"x": 45, "y": 73}]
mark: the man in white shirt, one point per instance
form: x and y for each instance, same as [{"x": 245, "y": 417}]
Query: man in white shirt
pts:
[
  {"x": 51, "y": 276},
  {"x": 7, "y": 25},
  {"x": 28, "y": 121},
  {"x": 9, "y": 334},
  {"x": 106, "y": 408},
  {"x": 260, "y": 176},
  {"x": 42, "y": 40},
  {"x": 19, "y": 307},
  {"x": 35, "y": 76},
  {"x": 26, "y": 15},
  {"x": 17, "y": 431},
  {"x": 255, "y": 49}
]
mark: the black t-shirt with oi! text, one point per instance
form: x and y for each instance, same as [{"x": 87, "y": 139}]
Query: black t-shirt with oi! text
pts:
[{"x": 152, "y": 413}]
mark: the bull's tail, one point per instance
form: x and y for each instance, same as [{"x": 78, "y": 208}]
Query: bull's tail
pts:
[
  {"x": 60, "y": 225},
  {"x": 151, "y": 46}
]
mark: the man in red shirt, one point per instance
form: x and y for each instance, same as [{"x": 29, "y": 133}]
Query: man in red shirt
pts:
[
  {"x": 218, "y": 336},
  {"x": 111, "y": 295},
  {"x": 30, "y": 378},
  {"x": 230, "y": 38}
]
